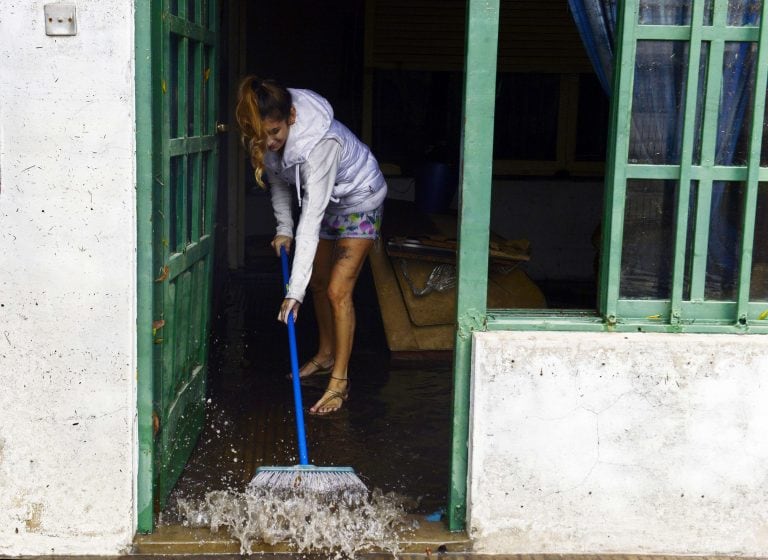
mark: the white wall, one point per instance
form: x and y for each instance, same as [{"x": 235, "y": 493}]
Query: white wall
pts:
[
  {"x": 619, "y": 443},
  {"x": 67, "y": 281}
]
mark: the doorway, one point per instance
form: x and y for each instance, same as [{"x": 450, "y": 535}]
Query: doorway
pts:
[
  {"x": 537, "y": 186},
  {"x": 398, "y": 409}
]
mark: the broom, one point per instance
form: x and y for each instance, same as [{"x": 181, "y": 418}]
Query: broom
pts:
[{"x": 304, "y": 479}]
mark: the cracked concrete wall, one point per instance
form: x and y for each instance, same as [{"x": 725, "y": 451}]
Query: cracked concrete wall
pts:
[
  {"x": 619, "y": 443},
  {"x": 67, "y": 281}
]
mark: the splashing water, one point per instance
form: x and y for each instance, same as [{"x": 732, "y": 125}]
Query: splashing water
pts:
[{"x": 306, "y": 522}]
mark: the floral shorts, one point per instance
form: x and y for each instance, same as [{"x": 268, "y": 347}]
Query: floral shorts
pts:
[{"x": 358, "y": 225}]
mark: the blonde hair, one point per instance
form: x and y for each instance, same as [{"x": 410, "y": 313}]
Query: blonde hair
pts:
[{"x": 257, "y": 100}]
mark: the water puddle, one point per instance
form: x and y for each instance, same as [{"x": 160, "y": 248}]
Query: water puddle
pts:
[
  {"x": 307, "y": 522},
  {"x": 394, "y": 431}
]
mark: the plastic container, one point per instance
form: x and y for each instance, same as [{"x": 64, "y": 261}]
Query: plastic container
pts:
[{"x": 435, "y": 187}]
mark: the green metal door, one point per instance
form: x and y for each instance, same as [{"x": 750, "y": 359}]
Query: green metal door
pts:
[
  {"x": 176, "y": 180},
  {"x": 183, "y": 199}
]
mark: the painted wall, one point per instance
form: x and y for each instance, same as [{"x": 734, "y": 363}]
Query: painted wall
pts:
[
  {"x": 619, "y": 443},
  {"x": 67, "y": 281}
]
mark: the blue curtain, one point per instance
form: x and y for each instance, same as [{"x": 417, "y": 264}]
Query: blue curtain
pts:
[
  {"x": 596, "y": 22},
  {"x": 736, "y": 101},
  {"x": 657, "y": 120}
]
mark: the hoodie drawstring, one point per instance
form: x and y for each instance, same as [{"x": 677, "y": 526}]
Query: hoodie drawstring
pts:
[{"x": 298, "y": 185}]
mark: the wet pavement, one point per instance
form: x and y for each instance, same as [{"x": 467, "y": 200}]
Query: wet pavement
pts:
[
  {"x": 432, "y": 554},
  {"x": 394, "y": 430}
]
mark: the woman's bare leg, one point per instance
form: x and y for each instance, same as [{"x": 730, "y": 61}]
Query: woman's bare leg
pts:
[
  {"x": 318, "y": 284},
  {"x": 348, "y": 259}
]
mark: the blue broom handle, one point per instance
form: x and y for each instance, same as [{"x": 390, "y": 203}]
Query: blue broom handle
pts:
[{"x": 300, "y": 433}]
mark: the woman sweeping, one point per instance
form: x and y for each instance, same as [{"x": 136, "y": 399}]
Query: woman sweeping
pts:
[{"x": 297, "y": 145}]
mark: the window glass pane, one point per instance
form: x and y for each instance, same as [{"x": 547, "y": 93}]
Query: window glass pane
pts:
[
  {"x": 177, "y": 180},
  {"x": 724, "y": 241},
  {"x": 193, "y": 86},
  {"x": 703, "y": 66},
  {"x": 743, "y": 12},
  {"x": 736, "y": 103},
  {"x": 205, "y": 90},
  {"x": 173, "y": 85},
  {"x": 192, "y": 10},
  {"x": 646, "y": 261},
  {"x": 204, "y": 9},
  {"x": 689, "y": 240},
  {"x": 527, "y": 107},
  {"x": 708, "y": 7},
  {"x": 764, "y": 146},
  {"x": 665, "y": 12},
  {"x": 759, "y": 287},
  {"x": 591, "y": 120},
  {"x": 657, "y": 101},
  {"x": 204, "y": 183},
  {"x": 173, "y": 7},
  {"x": 193, "y": 178}
]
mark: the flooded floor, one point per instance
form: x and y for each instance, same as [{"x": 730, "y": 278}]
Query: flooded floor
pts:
[{"x": 394, "y": 430}]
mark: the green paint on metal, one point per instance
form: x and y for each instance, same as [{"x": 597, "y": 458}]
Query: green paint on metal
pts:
[
  {"x": 686, "y": 159},
  {"x": 175, "y": 201},
  {"x": 753, "y": 164},
  {"x": 729, "y": 315},
  {"x": 180, "y": 146},
  {"x": 708, "y": 33},
  {"x": 671, "y": 172},
  {"x": 186, "y": 161},
  {"x": 618, "y": 150},
  {"x": 501, "y": 322},
  {"x": 471, "y": 320},
  {"x": 474, "y": 216},
  {"x": 197, "y": 33},
  {"x": 144, "y": 278},
  {"x": 708, "y": 144}
]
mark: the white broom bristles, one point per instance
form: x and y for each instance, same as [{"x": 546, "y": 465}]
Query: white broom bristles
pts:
[{"x": 324, "y": 485}]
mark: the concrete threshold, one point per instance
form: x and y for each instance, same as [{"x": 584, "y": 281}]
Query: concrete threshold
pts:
[{"x": 430, "y": 538}]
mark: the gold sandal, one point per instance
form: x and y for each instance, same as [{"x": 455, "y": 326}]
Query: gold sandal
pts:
[
  {"x": 320, "y": 369},
  {"x": 332, "y": 394}
]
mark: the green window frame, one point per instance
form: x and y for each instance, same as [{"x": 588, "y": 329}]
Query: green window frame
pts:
[
  {"x": 686, "y": 309},
  {"x": 692, "y": 312}
]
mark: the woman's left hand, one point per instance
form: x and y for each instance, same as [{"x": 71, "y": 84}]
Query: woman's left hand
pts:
[{"x": 289, "y": 306}]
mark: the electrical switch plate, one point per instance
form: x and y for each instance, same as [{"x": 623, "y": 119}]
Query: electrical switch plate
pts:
[{"x": 60, "y": 19}]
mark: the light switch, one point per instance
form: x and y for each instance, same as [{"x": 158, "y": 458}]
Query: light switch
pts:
[{"x": 60, "y": 19}]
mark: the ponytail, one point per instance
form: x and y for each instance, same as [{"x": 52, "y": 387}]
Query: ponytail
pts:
[{"x": 258, "y": 99}]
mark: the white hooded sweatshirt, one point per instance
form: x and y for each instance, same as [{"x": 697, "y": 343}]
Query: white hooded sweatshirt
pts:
[{"x": 332, "y": 172}]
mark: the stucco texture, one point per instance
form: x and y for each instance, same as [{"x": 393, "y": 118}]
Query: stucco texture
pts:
[
  {"x": 619, "y": 443},
  {"x": 67, "y": 281}
]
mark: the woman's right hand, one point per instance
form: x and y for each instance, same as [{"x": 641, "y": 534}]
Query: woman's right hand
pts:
[{"x": 282, "y": 241}]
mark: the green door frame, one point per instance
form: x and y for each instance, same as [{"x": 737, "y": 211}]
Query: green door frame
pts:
[
  {"x": 477, "y": 159},
  {"x": 144, "y": 259},
  {"x": 473, "y": 235},
  {"x": 171, "y": 377}
]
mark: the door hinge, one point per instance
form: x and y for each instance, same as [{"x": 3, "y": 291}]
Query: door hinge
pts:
[{"x": 155, "y": 423}]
